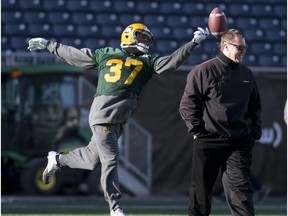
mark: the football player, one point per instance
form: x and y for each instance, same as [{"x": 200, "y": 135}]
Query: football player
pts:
[{"x": 122, "y": 75}]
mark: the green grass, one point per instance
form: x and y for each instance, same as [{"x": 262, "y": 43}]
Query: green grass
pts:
[{"x": 96, "y": 206}]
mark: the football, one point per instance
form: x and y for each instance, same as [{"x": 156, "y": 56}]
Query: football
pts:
[{"x": 217, "y": 22}]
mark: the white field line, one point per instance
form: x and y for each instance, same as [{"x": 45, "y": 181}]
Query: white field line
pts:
[{"x": 217, "y": 207}]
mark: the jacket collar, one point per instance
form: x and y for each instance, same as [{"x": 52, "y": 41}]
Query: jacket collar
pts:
[{"x": 225, "y": 60}]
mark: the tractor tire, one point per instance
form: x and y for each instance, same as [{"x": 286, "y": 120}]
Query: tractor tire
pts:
[{"x": 31, "y": 179}]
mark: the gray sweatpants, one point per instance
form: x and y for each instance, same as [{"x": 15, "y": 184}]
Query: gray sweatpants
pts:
[{"x": 104, "y": 147}]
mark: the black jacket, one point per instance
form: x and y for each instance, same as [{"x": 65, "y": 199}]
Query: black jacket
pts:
[{"x": 221, "y": 97}]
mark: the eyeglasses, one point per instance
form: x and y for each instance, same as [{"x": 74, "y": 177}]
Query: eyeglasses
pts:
[{"x": 240, "y": 47}]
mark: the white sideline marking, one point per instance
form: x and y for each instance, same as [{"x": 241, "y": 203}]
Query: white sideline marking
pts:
[{"x": 219, "y": 207}]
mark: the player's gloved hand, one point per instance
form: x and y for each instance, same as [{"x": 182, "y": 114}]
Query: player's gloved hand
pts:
[
  {"x": 200, "y": 35},
  {"x": 37, "y": 44}
]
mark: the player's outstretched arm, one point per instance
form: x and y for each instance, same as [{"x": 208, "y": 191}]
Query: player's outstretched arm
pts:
[
  {"x": 179, "y": 56},
  {"x": 71, "y": 55},
  {"x": 37, "y": 44}
]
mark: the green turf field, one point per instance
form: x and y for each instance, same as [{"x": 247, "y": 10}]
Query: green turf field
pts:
[{"x": 149, "y": 206}]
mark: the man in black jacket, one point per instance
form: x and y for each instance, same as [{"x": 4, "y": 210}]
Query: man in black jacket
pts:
[{"x": 222, "y": 109}]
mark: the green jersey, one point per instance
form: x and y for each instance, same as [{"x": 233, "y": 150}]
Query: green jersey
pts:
[{"x": 121, "y": 74}]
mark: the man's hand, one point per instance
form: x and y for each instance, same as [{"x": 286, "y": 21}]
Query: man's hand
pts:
[
  {"x": 37, "y": 44},
  {"x": 200, "y": 35}
]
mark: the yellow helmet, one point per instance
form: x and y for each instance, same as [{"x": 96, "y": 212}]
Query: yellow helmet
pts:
[{"x": 136, "y": 38}]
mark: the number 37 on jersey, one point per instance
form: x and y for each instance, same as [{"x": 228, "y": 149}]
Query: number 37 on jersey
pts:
[{"x": 118, "y": 67}]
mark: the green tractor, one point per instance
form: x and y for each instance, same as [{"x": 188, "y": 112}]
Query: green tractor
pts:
[{"x": 43, "y": 108}]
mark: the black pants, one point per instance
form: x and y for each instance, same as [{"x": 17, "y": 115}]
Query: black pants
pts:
[{"x": 234, "y": 160}]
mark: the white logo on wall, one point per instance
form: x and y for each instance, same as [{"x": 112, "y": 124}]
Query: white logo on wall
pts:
[{"x": 272, "y": 136}]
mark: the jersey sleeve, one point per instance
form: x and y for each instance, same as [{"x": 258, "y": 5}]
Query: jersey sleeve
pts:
[
  {"x": 176, "y": 59},
  {"x": 71, "y": 55}
]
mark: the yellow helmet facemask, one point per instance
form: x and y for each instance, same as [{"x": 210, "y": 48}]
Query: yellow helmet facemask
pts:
[{"x": 136, "y": 38}]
